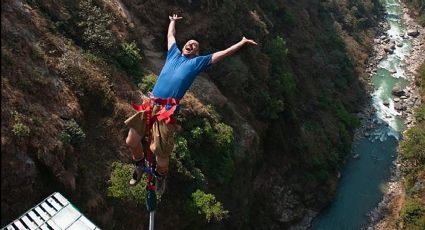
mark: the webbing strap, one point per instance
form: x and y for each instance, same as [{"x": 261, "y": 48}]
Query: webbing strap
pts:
[{"x": 165, "y": 112}]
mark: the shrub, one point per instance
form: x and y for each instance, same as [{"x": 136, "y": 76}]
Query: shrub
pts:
[
  {"x": 223, "y": 136},
  {"x": 96, "y": 25},
  {"x": 197, "y": 133},
  {"x": 412, "y": 211},
  {"x": 218, "y": 162},
  {"x": 72, "y": 133},
  {"x": 19, "y": 129},
  {"x": 119, "y": 187},
  {"x": 130, "y": 54},
  {"x": 129, "y": 59},
  {"x": 412, "y": 147},
  {"x": 277, "y": 49},
  {"x": 147, "y": 84},
  {"x": 181, "y": 148},
  {"x": 206, "y": 204},
  {"x": 65, "y": 137},
  {"x": 420, "y": 114},
  {"x": 185, "y": 164},
  {"x": 214, "y": 115}
]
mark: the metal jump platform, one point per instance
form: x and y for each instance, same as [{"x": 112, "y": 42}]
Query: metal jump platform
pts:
[{"x": 53, "y": 213}]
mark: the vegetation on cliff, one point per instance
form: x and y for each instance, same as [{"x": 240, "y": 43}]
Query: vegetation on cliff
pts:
[
  {"x": 418, "y": 6},
  {"x": 412, "y": 150}
]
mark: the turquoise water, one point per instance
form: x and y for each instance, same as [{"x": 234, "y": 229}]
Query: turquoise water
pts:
[
  {"x": 363, "y": 179},
  {"x": 360, "y": 187}
]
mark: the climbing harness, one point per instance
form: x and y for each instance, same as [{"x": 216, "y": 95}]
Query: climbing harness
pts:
[{"x": 167, "y": 108}]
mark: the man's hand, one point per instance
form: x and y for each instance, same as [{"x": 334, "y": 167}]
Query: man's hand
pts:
[
  {"x": 174, "y": 17},
  {"x": 218, "y": 56},
  {"x": 248, "y": 41},
  {"x": 171, "y": 30}
]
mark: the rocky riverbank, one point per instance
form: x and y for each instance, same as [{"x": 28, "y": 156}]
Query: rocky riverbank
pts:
[
  {"x": 416, "y": 58},
  {"x": 375, "y": 56},
  {"x": 405, "y": 100},
  {"x": 384, "y": 216}
]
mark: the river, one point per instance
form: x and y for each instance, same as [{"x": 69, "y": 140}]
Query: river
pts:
[{"x": 363, "y": 179}]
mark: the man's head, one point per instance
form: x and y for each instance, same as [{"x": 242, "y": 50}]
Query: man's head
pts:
[{"x": 191, "y": 49}]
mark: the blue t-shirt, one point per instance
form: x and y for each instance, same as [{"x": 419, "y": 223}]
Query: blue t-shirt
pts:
[{"x": 178, "y": 73}]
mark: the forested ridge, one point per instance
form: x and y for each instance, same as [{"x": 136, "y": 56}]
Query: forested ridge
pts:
[{"x": 262, "y": 134}]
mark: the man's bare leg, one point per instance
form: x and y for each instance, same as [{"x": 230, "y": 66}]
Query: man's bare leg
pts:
[{"x": 133, "y": 141}]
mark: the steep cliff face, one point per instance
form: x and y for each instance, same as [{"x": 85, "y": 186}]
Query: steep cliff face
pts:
[{"x": 265, "y": 131}]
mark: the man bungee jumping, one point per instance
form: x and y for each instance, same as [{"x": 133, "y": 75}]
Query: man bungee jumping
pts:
[{"x": 177, "y": 75}]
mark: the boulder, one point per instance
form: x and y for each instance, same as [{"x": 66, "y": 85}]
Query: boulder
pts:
[
  {"x": 386, "y": 103},
  {"x": 413, "y": 32},
  {"x": 397, "y": 91},
  {"x": 388, "y": 49}
]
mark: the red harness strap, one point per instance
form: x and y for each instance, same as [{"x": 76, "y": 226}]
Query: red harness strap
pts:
[{"x": 164, "y": 113}]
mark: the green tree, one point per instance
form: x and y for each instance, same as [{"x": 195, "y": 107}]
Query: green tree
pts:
[
  {"x": 72, "y": 133},
  {"x": 207, "y": 205}
]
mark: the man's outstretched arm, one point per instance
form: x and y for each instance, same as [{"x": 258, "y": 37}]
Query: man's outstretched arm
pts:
[
  {"x": 172, "y": 30},
  {"x": 218, "y": 56}
]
